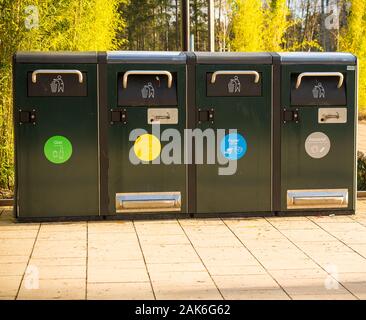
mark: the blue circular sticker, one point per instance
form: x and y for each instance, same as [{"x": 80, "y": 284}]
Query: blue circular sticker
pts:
[{"x": 233, "y": 146}]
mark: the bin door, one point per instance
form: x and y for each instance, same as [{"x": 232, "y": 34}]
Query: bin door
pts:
[
  {"x": 317, "y": 137},
  {"x": 139, "y": 180},
  {"x": 56, "y": 131},
  {"x": 234, "y": 97}
]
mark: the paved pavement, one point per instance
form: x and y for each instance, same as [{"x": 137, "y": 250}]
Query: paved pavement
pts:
[{"x": 265, "y": 258}]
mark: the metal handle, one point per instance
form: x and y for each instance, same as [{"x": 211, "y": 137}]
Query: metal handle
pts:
[
  {"x": 44, "y": 71},
  {"x": 160, "y": 117},
  {"x": 225, "y": 72},
  {"x": 320, "y": 74},
  {"x": 147, "y": 72},
  {"x": 330, "y": 116},
  {"x": 152, "y": 204},
  {"x": 318, "y": 200}
]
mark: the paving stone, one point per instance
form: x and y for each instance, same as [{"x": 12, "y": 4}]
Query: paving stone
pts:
[
  {"x": 239, "y": 294},
  {"x": 12, "y": 269},
  {"x": 311, "y": 235},
  {"x": 349, "y": 237},
  {"x": 53, "y": 249},
  {"x": 62, "y": 236},
  {"x": 175, "y": 267},
  {"x": 120, "y": 291},
  {"x": 163, "y": 239},
  {"x": 154, "y": 228},
  {"x": 110, "y": 227},
  {"x": 61, "y": 271},
  {"x": 230, "y": 269},
  {"x": 13, "y": 233},
  {"x": 14, "y": 259},
  {"x": 354, "y": 282},
  {"x": 117, "y": 273},
  {"x": 57, "y": 261},
  {"x": 16, "y": 247},
  {"x": 246, "y": 282},
  {"x": 63, "y": 227},
  {"x": 114, "y": 253},
  {"x": 327, "y": 296},
  {"x": 201, "y": 222},
  {"x": 9, "y": 285},
  {"x": 280, "y": 224},
  {"x": 169, "y": 253},
  {"x": 49, "y": 289},
  {"x": 170, "y": 290}
]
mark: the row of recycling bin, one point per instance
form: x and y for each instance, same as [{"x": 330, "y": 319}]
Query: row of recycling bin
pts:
[{"x": 156, "y": 133}]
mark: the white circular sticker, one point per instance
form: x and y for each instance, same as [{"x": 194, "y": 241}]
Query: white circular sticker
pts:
[{"x": 317, "y": 145}]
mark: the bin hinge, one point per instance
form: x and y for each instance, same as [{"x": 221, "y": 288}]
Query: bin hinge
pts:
[
  {"x": 26, "y": 116},
  {"x": 290, "y": 115},
  {"x": 205, "y": 115},
  {"x": 118, "y": 116}
]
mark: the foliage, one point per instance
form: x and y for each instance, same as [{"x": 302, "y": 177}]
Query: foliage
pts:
[
  {"x": 353, "y": 40},
  {"x": 62, "y": 25},
  {"x": 259, "y": 26},
  {"x": 247, "y": 25},
  {"x": 361, "y": 171}
]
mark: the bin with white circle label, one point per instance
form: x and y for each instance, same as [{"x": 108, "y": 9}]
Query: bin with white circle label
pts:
[
  {"x": 56, "y": 135},
  {"x": 315, "y": 133}
]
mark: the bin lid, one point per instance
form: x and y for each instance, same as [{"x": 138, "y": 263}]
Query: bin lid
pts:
[
  {"x": 56, "y": 57},
  {"x": 317, "y": 58},
  {"x": 172, "y": 57},
  {"x": 233, "y": 57}
]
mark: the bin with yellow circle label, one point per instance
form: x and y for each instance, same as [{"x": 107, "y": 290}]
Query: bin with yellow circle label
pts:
[{"x": 143, "y": 111}]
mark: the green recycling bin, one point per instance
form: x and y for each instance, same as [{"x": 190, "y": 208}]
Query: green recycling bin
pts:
[
  {"x": 233, "y": 100},
  {"x": 144, "y": 98},
  {"x": 56, "y": 134},
  {"x": 316, "y": 133}
]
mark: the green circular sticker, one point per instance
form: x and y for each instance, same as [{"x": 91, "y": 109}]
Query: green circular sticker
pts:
[{"x": 58, "y": 149}]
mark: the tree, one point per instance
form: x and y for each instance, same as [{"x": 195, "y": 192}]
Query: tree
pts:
[
  {"x": 353, "y": 40},
  {"x": 48, "y": 25},
  {"x": 276, "y": 23},
  {"x": 247, "y": 25}
]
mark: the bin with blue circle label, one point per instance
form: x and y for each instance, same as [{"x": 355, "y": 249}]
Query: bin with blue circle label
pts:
[{"x": 232, "y": 98}]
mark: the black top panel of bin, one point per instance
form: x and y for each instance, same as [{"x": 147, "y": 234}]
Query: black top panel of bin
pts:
[
  {"x": 56, "y": 57},
  {"x": 171, "y": 57},
  {"x": 317, "y": 58},
  {"x": 233, "y": 57}
]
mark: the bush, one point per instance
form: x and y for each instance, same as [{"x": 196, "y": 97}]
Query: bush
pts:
[{"x": 361, "y": 171}]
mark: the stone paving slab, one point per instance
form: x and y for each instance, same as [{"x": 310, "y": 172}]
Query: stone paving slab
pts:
[{"x": 319, "y": 257}]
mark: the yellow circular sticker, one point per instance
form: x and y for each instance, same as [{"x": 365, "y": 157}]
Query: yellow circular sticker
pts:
[{"x": 147, "y": 147}]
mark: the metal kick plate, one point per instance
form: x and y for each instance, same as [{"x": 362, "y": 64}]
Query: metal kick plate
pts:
[
  {"x": 332, "y": 115},
  {"x": 148, "y": 202},
  {"x": 317, "y": 199},
  {"x": 162, "y": 115}
]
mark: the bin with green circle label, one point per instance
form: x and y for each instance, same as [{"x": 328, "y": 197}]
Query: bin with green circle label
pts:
[
  {"x": 315, "y": 133},
  {"x": 56, "y": 135}
]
